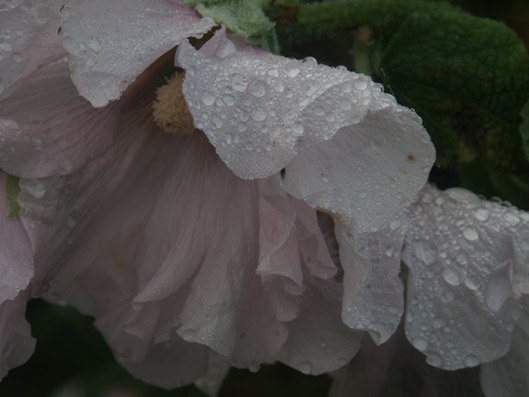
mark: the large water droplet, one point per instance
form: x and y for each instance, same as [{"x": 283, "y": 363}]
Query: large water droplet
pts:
[
  {"x": 451, "y": 277},
  {"x": 360, "y": 84},
  {"x": 257, "y": 88},
  {"x": 258, "y": 114},
  {"x": 226, "y": 49},
  {"x": 208, "y": 98},
  {"x": 482, "y": 214},
  {"x": 470, "y": 234},
  {"x": 420, "y": 343},
  {"x": 238, "y": 83},
  {"x": 94, "y": 44},
  {"x": 471, "y": 283},
  {"x": 471, "y": 361},
  {"x": 305, "y": 368}
]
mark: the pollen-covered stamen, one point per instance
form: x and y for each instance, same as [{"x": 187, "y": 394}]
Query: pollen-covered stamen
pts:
[{"x": 170, "y": 109}]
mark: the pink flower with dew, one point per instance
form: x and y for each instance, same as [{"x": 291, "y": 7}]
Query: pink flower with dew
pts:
[
  {"x": 191, "y": 252},
  {"x": 180, "y": 253}
]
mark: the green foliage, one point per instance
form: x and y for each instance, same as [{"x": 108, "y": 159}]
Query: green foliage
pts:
[
  {"x": 315, "y": 20},
  {"x": 524, "y": 128},
  {"x": 244, "y": 17},
  {"x": 468, "y": 78},
  {"x": 12, "y": 190}
]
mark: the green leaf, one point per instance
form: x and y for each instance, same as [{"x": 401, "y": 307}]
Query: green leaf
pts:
[
  {"x": 313, "y": 20},
  {"x": 468, "y": 78},
  {"x": 524, "y": 128},
  {"x": 12, "y": 190},
  {"x": 244, "y": 17}
]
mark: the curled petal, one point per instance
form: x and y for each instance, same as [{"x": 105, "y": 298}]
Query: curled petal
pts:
[
  {"x": 462, "y": 304},
  {"x": 30, "y": 40},
  {"x": 47, "y": 129},
  {"x": 260, "y": 111},
  {"x": 110, "y": 43}
]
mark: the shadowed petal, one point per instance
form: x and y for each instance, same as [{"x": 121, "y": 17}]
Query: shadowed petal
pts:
[
  {"x": 509, "y": 376},
  {"x": 47, "y": 129}
]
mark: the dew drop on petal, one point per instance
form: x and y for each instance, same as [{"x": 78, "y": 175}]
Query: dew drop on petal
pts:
[
  {"x": 470, "y": 234},
  {"x": 238, "y": 83},
  {"x": 208, "y": 98},
  {"x": 305, "y": 368},
  {"x": 420, "y": 343},
  {"x": 471, "y": 361},
  {"x": 451, "y": 277},
  {"x": 482, "y": 214},
  {"x": 257, "y": 88}
]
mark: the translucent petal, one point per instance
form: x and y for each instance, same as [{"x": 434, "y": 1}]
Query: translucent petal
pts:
[
  {"x": 47, "y": 129},
  {"x": 28, "y": 40}
]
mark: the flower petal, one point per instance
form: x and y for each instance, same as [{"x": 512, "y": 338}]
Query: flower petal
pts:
[
  {"x": 30, "y": 40},
  {"x": 16, "y": 262},
  {"x": 318, "y": 341},
  {"x": 373, "y": 293},
  {"x": 509, "y": 376},
  {"x": 260, "y": 110},
  {"x": 16, "y": 343},
  {"x": 47, "y": 129},
  {"x": 368, "y": 173},
  {"x": 462, "y": 303},
  {"x": 110, "y": 43}
]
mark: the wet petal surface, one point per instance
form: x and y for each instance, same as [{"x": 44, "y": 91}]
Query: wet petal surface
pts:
[
  {"x": 110, "y": 43},
  {"x": 462, "y": 295}
]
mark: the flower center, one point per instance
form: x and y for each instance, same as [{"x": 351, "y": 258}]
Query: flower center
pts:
[{"x": 170, "y": 109}]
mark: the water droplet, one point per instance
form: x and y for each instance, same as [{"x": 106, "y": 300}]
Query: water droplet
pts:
[
  {"x": 238, "y": 83},
  {"x": 208, "y": 98},
  {"x": 226, "y": 49},
  {"x": 35, "y": 188},
  {"x": 471, "y": 283},
  {"x": 258, "y": 114},
  {"x": 323, "y": 344},
  {"x": 434, "y": 360},
  {"x": 242, "y": 127},
  {"x": 360, "y": 84},
  {"x": 273, "y": 72},
  {"x": 16, "y": 57},
  {"x": 470, "y": 234},
  {"x": 420, "y": 343},
  {"x": 451, "y": 277},
  {"x": 305, "y": 368},
  {"x": 278, "y": 86},
  {"x": 471, "y": 361},
  {"x": 324, "y": 178},
  {"x": 291, "y": 70},
  {"x": 438, "y": 323},
  {"x": 189, "y": 334},
  {"x": 94, "y": 44},
  {"x": 257, "y": 88},
  {"x": 228, "y": 100},
  {"x": 482, "y": 214},
  {"x": 511, "y": 218},
  {"x": 297, "y": 128},
  {"x": 254, "y": 366}
]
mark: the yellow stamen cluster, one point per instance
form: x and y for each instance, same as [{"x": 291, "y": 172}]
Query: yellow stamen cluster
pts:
[{"x": 170, "y": 109}]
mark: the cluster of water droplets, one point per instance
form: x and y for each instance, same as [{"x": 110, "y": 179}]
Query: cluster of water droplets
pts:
[
  {"x": 459, "y": 251},
  {"x": 259, "y": 109}
]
